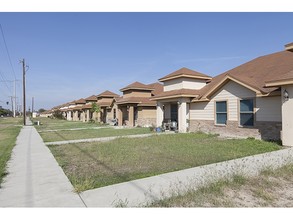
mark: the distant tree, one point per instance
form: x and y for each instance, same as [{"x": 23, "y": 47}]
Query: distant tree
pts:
[
  {"x": 58, "y": 114},
  {"x": 95, "y": 108},
  {"x": 5, "y": 112},
  {"x": 41, "y": 110}
]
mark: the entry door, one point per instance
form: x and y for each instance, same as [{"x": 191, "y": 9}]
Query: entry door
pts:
[{"x": 174, "y": 112}]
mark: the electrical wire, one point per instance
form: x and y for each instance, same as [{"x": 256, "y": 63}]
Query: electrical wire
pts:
[{"x": 7, "y": 51}]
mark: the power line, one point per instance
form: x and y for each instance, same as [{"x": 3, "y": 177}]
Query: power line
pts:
[
  {"x": 5, "y": 81},
  {"x": 7, "y": 51}
]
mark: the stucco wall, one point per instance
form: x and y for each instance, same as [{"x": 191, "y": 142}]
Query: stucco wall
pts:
[
  {"x": 146, "y": 112},
  {"x": 287, "y": 117},
  {"x": 183, "y": 83},
  {"x": 137, "y": 93},
  {"x": 269, "y": 109}
]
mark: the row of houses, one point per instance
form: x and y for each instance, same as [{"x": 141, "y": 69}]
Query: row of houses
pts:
[
  {"x": 133, "y": 108},
  {"x": 251, "y": 100}
]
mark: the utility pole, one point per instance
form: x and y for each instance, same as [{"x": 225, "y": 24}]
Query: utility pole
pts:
[
  {"x": 32, "y": 106},
  {"x": 14, "y": 104},
  {"x": 23, "y": 86}
]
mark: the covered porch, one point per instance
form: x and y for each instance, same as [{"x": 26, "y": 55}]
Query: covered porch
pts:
[
  {"x": 127, "y": 115},
  {"x": 173, "y": 114}
]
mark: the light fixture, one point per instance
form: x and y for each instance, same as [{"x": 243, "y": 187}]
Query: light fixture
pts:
[{"x": 286, "y": 95}]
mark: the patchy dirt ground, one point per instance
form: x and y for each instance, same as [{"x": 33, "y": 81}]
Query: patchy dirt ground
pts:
[
  {"x": 274, "y": 192},
  {"x": 270, "y": 189}
]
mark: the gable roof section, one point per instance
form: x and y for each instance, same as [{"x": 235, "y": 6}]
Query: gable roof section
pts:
[
  {"x": 137, "y": 86},
  {"x": 91, "y": 98},
  {"x": 102, "y": 103},
  {"x": 158, "y": 88},
  {"x": 80, "y": 101},
  {"x": 140, "y": 101},
  {"x": 108, "y": 93},
  {"x": 254, "y": 74},
  {"x": 185, "y": 72}
]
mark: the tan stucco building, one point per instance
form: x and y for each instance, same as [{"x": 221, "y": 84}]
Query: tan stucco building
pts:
[
  {"x": 108, "y": 108},
  {"x": 246, "y": 101},
  {"x": 135, "y": 107}
]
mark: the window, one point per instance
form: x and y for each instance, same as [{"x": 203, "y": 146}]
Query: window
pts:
[
  {"x": 221, "y": 113},
  {"x": 246, "y": 112}
]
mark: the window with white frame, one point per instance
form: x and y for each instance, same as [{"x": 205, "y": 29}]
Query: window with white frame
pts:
[{"x": 221, "y": 112}]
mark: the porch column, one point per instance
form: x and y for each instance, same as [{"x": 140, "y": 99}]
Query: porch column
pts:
[
  {"x": 69, "y": 116},
  {"x": 120, "y": 116},
  {"x": 131, "y": 116},
  {"x": 287, "y": 119},
  {"x": 87, "y": 115},
  {"x": 182, "y": 116},
  {"x": 160, "y": 114},
  {"x": 75, "y": 116},
  {"x": 83, "y": 116}
]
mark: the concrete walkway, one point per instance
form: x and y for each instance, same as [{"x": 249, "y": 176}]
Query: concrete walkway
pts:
[
  {"x": 103, "y": 139},
  {"x": 35, "y": 179}
]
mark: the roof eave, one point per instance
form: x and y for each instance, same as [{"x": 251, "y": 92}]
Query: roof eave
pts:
[
  {"x": 136, "y": 88},
  {"x": 184, "y": 76},
  {"x": 278, "y": 83},
  {"x": 174, "y": 96}
]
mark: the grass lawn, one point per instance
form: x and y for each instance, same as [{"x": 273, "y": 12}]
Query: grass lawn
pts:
[
  {"x": 92, "y": 165},
  {"x": 58, "y": 124},
  {"x": 90, "y": 133},
  {"x": 272, "y": 188},
  {"x": 9, "y": 130}
]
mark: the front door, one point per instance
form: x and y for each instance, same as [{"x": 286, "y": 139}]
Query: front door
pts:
[{"x": 174, "y": 112}]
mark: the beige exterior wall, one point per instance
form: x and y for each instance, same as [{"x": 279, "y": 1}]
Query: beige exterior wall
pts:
[
  {"x": 230, "y": 92},
  {"x": 287, "y": 124},
  {"x": 146, "y": 112},
  {"x": 105, "y": 99},
  {"x": 183, "y": 83},
  {"x": 269, "y": 109},
  {"x": 137, "y": 93}
]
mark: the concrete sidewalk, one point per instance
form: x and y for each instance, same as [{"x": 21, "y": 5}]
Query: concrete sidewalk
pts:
[
  {"x": 34, "y": 177},
  {"x": 103, "y": 139}
]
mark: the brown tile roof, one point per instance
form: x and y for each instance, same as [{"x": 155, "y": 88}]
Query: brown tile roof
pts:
[
  {"x": 265, "y": 68},
  {"x": 158, "y": 88},
  {"x": 137, "y": 85},
  {"x": 71, "y": 103},
  {"x": 80, "y": 101},
  {"x": 91, "y": 98},
  {"x": 281, "y": 80},
  {"x": 185, "y": 72},
  {"x": 254, "y": 74},
  {"x": 108, "y": 93},
  {"x": 176, "y": 94},
  {"x": 105, "y": 103},
  {"x": 77, "y": 108},
  {"x": 140, "y": 101},
  {"x": 87, "y": 106}
]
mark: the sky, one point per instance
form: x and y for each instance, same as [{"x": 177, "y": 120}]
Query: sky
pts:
[{"x": 74, "y": 55}]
